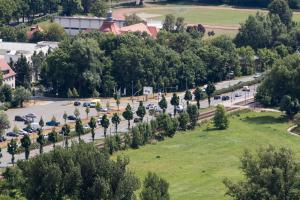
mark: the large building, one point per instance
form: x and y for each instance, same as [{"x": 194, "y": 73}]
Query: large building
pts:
[
  {"x": 14, "y": 50},
  {"x": 9, "y": 76}
]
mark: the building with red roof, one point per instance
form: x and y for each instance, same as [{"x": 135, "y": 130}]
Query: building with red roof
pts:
[{"x": 9, "y": 76}]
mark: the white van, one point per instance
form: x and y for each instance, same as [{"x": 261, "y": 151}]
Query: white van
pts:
[
  {"x": 246, "y": 88},
  {"x": 35, "y": 126}
]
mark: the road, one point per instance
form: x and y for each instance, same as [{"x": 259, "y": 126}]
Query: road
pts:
[{"x": 56, "y": 108}]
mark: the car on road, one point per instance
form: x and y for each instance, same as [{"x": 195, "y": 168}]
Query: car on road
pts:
[
  {"x": 137, "y": 120},
  {"x": 93, "y": 105},
  {"x": 20, "y": 118},
  {"x": 77, "y": 103},
  {"x": 2, "y": 138},
  {"x": 217, "y": 97},
  {"x": 28, "y": 130},
  {"x": 179, "y": 108},
  {"x": 150, "y": 106},
  {"x": 103, "y": 110},
  {"x": 246, "y": 89},
  {"x": 31, "y": 115},
  {"x": 86, "y": 104},
  {"x": 12, "y": 134},
  {"x": 71, "y": 117},
  {"x": 257, "y": 75},
  {"x": 237, "y": 94},
  {"x": 52, "y": 123},
  {"x": 22, "y": 132},
  {"x": 225, "y": 98}
]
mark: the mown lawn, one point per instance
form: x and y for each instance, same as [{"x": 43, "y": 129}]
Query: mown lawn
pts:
[{"x": 195, "y": 163}]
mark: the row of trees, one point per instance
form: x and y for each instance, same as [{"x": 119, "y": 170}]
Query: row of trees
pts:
[
  {"x": 28, "y": 10},
  {"x": 88, "y": 174}
]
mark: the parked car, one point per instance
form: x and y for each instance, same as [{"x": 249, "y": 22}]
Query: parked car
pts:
[
  {"x": 35, "y": 126},
  {"x": 246, "y": 89},
  {"x": 20, "y": 118},
  {"x": 86, "y": 127},
  {"x": 86, "y": 104},
  {"x": 217, "y": 97},
  {"x": 158, "y": 109},
  {"x": 77, "y": 103},
  {"x": 103, "y": 110},
  {"x": 12, "y": 134},
  {"x": 93, "y": 105},
  {"x": 31, "y": 115},
  {"x": 225, "y": 98},
  {"x": 71, "y": 117},
  {"x": 137, "y": 120},
  {"x": 257, "y": 75},
  {"x": 2, "y": 138},
  {"x": 179, "y": 108},
  {"x": 99, "y": 120},
  {"x": 28, "y": 130},
  {"x": 22, "y": 132},
  {"x": 150, "y": 106},
  {"x": 237, "y": 94},
  {"x": 52, "y": 123}
]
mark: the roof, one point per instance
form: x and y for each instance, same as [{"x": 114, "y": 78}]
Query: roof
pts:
[
  {"x": 5, "y": 67},
  {"x": 34, "y": 29},
  {"x": 110, "y": 27}
]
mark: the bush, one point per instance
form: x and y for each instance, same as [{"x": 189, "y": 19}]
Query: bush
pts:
[{"x": 220, "y": 118}]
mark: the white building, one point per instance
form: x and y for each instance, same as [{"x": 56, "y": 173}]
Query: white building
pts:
[
  {"x": 14, "y": 50},
  {"x": 9, "y": 76},
  {"x": 75, "y": 24}
]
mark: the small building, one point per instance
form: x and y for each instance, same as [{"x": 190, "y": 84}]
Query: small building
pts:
[
  {"x": 34, "y": 29},
  {"x": 9, "y": 76}
]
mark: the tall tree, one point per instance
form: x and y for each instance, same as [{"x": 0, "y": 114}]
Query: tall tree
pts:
[
  {"x": 188, "y": 96},
  {"x": 23, "y": 72},
  {"x": 53, "y": 137},
  {"x": 163, "y": 104},
  {"x": 20, "y": 95},
  {"x": 169, "y": 22},
  {"x": 71, "y": 7},
  {"x": 105, "y": 123},
  {"x": 221, "y": 118},
  {"x": 128, "y": 114},
  {"x": 116, "y": 121},
  {"x": 175, "y": 102},
  {"x": 4, "y": 122},
  {"x": 26, "y": 143},
  {"x": 41, "y": 140},
  {"x": 210, "y": 89},
  {"x": 282, "y": 9},
  {"x": 141, "y": 111},
  {"x": 193, "y": 112},
  {"x": 12, "y": 147},
  {"x": 99, "y": 8},
  {"x": 79, "y": 128},
  {"x": 198, "y": 96},
  {"x": 93, "y": 125}
]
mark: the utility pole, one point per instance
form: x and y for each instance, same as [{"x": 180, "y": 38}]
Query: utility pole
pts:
[{"x": 132, "y": 91}]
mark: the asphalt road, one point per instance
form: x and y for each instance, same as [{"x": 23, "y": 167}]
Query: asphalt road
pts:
[{"x": 57, "y": 108}]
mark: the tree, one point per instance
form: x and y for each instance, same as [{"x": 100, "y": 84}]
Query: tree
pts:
[
  {"x": 66, "y": 133},
  {"x": 210, "y": 89},
  {"x": 289, "y": 106},
  {"x": 282, "y": 9},
  {"x": 55, "y": 32},
  {"x": 98, "y": 107},
  {"x": 71, "y": 7},
  {"x": 4, "y": 122},
  {"x": 87, "y": 111},
  {"x": 175, "y": 102},
  {"x": 70, "y": 93},
  {"x": 118, "y": 100},
  {"x": 141, "y": 111},
  {"x": 183, "y": 120},
  {"x": 75, "y": 93},
  {"x": 116, "y": 121},
  {"x": 198, "y": 96},
  {"x": 128, "y": 114},
  {"x": 76, "y": 113},
  {"x": 65, "y": 116},
  {"x": 193, "y": 112},
  {"x": 79, "y": 128},
  {"x": 180, "y": 25},
  {"x": 220, "y": 118},
  {"x": 20, "y": 95},
  {"x": 53, "y": 137},
  {"x": 23, "y": 72},
  {"x": 99, "y": 8},
  {"x": 155, "y": 187},
  {"x": 163, "y": 104},
  {"x": 25, "y": 143},
  {"x": 41, "y": 140},
  {"x": 169, "y": 23},
  {"x": 12, "y": 147},
  {"x": 93, "y": 125},
  {"x": 105, "y": 123},
  {"x": 41, "y": 123},
  {"x": 271, "y": 174},
  {"x": 132, "y": 19},
  {"x": 188, "y": 96}
]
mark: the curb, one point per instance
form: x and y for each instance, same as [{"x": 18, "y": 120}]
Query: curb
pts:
[{"x": 289, "y": 130}]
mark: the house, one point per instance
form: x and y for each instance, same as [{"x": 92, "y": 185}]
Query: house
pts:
[
  {"x": 34, "y": 29},
  {"x": 9, "y": 76}
]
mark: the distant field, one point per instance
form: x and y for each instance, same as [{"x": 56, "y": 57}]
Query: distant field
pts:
[{"x": 195, "y": 163}]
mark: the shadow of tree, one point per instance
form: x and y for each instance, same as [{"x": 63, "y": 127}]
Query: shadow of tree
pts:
[{"x": 265, "y": 120}]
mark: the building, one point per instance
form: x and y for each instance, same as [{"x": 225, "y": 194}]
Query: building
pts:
[
  {"x": 14, "y": 50},
  {"x": 34, "y": 29},
  {"x": 9, "y": 76},
  {"x": 75, "y": 24}
]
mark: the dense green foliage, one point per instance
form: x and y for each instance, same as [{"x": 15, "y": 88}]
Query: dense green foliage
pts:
[
  {"x": 221, "y": 118},
  {"x": 79, "y": 172}
]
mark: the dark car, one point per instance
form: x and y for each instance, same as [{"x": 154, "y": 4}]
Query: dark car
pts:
[
  {"x": 71, "y": 117},
  {"x": 217, "y": 97},
  {"x": 52, "y": 123},
  {"x": 12, "y": 134},
  {"x": 225, "y": 98},
  {"x": 77, "y": 103},
  {"x": 29, "y": 130},
  {"x": 20, "y": 118},
  {"x": 2, "y": 138},
  {"x": 86, "y": 104},
  {"x": 137, "y": 120}
]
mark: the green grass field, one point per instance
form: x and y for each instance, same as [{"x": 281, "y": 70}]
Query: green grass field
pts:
[{"x": 195, "y": 163}]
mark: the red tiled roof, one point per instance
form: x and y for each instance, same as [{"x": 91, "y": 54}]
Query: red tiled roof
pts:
[
  {"x": 4, "y": 67},
  {"x": 153, "y": 31},
  {"x": 140, "y": 27},
  {"x": 34, "y": 29},
  {"x": 110, "y": 27}
]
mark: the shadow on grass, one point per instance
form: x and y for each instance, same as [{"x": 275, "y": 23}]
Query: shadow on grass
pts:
[{"x": 265, "y": 120}]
